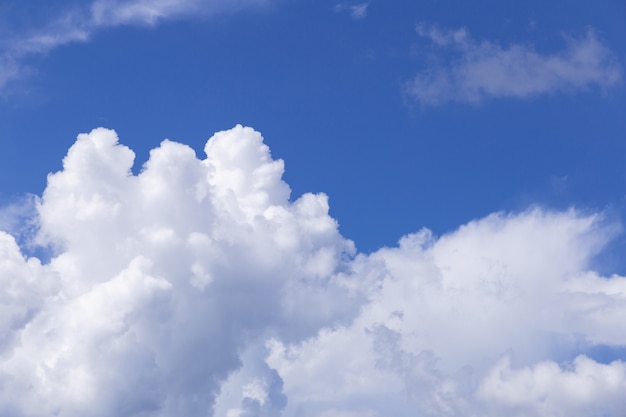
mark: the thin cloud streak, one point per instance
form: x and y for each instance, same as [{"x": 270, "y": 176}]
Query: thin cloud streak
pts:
[
  {"x": 80, "y": 24},
  {"x": 356, "y": 11},
  {"x": 481, "y": 70}
]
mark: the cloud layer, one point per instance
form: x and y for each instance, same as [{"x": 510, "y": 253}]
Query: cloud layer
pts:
[
  {"x": 199, "y": 287},
  {"x": 477, "y": 70}
]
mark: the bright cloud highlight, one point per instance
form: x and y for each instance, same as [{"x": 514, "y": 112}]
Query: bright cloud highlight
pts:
[
  {"x": 199, "y": 287},
  {"x": 478, "y": 70}
]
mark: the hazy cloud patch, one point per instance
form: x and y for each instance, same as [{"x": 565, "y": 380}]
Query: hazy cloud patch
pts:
[
  {"x": 356, "y": 11},
  {"x": 80, "y": 23},
  {"x": 472, "y": 71}
]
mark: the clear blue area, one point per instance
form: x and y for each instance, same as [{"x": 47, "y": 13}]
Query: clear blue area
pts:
[{"x": 326, "y": 91}]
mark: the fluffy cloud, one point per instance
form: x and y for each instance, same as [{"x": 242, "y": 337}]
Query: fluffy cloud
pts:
[
  {"x": 200, "y": 287},
  {"x": 481, "y": 70},
  {"x": 587, "y": 388},
  {"x": 477, "y": 322},
  {"x": 160, "y": 279}
]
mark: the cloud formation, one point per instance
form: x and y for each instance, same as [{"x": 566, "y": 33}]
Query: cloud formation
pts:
[
  {"x": 160, "y": 279},
  {"x": 200, "y": 287},
  {"x": 478, "y": 70},
  {"x": 78, "y": 24},
  {"x": 484, "y": 321}
]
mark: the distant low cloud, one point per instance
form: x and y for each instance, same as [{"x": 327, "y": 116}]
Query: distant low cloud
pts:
[
  {"x": 471, "y": 71},
  {"x": 201, "y": 287},
  {"x": 356, "y": 11},
  {"x": 79, "y": 23}
]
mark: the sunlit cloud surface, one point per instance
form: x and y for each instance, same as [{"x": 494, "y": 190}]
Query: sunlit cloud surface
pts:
[{"x": 201, "y": 286}]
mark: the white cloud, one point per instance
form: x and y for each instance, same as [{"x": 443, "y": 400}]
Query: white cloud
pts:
[
  {"x": 149, "y": 12},
  {"x": 587, "y": 388},
  {"x": 197, "y": 287},
  {"x": 478, "y": 70},
  {"x": 446, "y": 311},
  {"x": 80, "y": 23},
  {"x": 160, "y": 279}
]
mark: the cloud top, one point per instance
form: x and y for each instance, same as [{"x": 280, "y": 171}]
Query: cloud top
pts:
[
  {"x": 479, "y": 70},
  {"x": 160, "y": 279}
]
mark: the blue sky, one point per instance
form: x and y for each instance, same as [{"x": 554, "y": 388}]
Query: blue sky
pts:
[
  {"x": 329, "y": 93},
  {"x": 406, "y": 114}
]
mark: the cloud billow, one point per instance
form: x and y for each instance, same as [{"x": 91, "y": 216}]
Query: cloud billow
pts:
[
  {"x": 198, "y": 287},
  {"x": 482, "y": 70},
  {"x": 161, "y": 278}
]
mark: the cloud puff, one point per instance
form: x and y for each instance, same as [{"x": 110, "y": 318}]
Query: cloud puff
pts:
[
  {"x": 483, "y": 321},
  {"x": 586, "y": 388},
  {"x": 481, "y": 70},
  {"x": 200, "y": 287},
  {"x": 160, "y": 279},
  {"x": 78, "y": 24}
]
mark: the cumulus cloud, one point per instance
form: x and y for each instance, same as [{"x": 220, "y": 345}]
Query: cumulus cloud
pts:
[
  {"x": 478, "y": 70},
  {"x": 585, "y": 388},
  {"x": 200, "y": 287},
  {"x": 448, "y": 314},
  {"x": 158, "y": 280},
  {"x": 78, "y": 24}
]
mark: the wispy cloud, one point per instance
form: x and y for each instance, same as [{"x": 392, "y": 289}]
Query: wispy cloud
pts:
[
  {"x": 356, "y": 11},
  {"x": 78, "y": 24},
  {"x": 476, "y": 70},
  {"x": 16, "y": 217}
]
